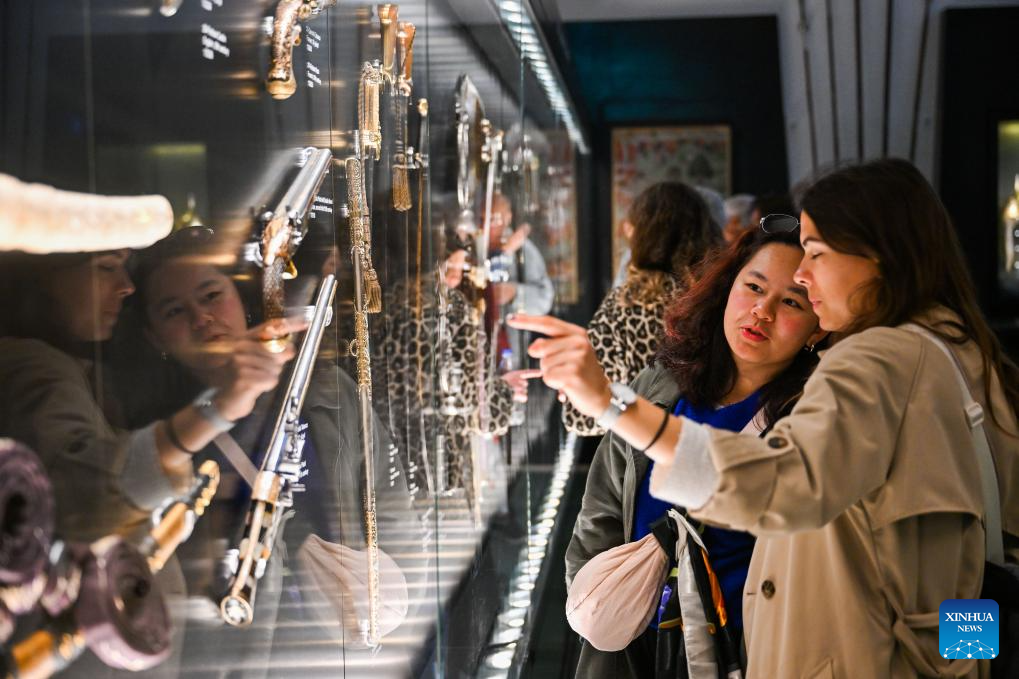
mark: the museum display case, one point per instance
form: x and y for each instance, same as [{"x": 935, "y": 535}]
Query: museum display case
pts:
[
  {"x": 1008, "y": 201},
  {"x": 271, "y": 422}
]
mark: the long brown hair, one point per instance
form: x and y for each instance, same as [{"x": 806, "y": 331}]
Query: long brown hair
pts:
[
  {"x": 672, "y": 229},
  {"x": 886, "y": 209},
  {"x": 694, "y": 349}
]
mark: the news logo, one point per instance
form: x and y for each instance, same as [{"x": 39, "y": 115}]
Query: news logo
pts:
[{"x": 968, "y": 628}]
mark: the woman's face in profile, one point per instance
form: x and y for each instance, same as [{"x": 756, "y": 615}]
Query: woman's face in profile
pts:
[
  {"x": 193, "y": 311},
  {"x": 837, "y": 282},
  {"x": 88, "y": 296}
]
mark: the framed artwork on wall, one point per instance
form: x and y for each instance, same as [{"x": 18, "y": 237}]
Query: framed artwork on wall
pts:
[{"x": 699, "y": 155}]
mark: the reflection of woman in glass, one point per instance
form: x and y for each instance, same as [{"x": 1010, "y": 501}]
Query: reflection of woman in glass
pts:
[
  {"x": 193, "y": 312},
  {"x": 734, "y": 357},
  {"x": 58, "y": 312},
  {"x": 58, "y": 309},
  {"x": 432, "y": 352}
]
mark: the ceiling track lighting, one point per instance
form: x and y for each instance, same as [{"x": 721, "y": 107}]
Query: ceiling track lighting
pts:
[{"x": 518, "y": 19}]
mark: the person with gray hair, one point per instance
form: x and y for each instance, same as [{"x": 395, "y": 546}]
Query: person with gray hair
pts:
[{"x": 738, "y": 209}]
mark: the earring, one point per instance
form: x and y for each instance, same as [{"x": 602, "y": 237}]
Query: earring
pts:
[{"x": 809, "y": 348}]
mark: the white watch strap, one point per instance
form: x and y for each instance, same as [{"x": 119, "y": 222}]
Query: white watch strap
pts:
[
  {"x": 208, "y": 410},
  {"x": 609, "y": 417}
]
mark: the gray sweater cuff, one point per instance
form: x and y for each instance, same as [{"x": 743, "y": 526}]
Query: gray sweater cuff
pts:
[
  {"x": 691, "y": 479},
  {"x": 143, "y": 480}
]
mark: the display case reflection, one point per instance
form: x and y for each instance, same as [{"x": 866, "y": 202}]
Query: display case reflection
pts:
[
  {"x": 376, "y": 454},
  {"x": 1008, "y": 205}
]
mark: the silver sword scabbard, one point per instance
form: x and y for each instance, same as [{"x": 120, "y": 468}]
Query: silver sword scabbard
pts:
[{"x": 364, "y": 279}]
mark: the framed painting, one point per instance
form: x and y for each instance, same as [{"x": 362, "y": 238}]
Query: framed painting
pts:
[{"x": 699, "y": 155}]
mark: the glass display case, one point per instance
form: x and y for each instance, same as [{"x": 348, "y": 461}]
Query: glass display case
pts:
[
  {"x": 1008, "y": 202},
  {"x": 263, "y": 413}
]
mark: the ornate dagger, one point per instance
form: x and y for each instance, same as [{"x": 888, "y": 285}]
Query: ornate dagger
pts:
[
  {"x": 173, "y": 523},
  {"x": 402, "y": 155}
]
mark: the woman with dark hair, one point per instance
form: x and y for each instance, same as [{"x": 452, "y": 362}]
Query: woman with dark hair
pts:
[
  {"x": 867, "y": 498},
  {"x": 737, "y": 350},
  {"x": 59, "y": 311},
  {"x": 669, "y": 230}
]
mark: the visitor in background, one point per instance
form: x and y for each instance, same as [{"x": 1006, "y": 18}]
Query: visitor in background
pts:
[
  {"x": 669, "y": 231},
  {"x": 738, "y": 215}
]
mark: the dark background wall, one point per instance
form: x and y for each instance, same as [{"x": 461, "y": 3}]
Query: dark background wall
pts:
[
  {"x": 980, "y": 64},
  {"x": 678, "y": 72}
]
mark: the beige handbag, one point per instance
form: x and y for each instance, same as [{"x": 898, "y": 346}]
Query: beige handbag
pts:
[
  {"x": 615, "y": 594},
  {"x": 335, "y": 579}
]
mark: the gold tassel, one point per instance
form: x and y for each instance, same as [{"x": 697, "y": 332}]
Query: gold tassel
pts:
[
  {"x": 372, "y": 292},
  {"x": 401, "y": 185}
]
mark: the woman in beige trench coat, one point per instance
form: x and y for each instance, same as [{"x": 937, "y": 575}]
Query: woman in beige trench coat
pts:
[{"x": 867, "y": 498}]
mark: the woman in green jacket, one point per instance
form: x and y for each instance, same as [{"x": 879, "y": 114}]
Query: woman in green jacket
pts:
[{"x": 736, "y": 352}]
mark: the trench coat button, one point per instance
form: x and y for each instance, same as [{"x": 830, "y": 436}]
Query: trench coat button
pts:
[
  {"x": 777, "y": 442},
  {"x": 768, "y": 589}
]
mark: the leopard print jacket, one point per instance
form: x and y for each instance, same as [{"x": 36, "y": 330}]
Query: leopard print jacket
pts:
[
  {"x": 624, "y": 333},
  {"x": 432, "y": 390}
]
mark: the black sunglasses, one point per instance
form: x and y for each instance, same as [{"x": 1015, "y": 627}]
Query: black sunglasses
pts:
[{"x": 779, "y": 223}]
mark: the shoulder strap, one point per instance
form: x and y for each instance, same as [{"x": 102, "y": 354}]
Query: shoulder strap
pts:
[
  {"x": 988, "y": 476},
  {"x": 236, "y": 456}
]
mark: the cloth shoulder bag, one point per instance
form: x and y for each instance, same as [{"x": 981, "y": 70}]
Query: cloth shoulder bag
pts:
[{"x": 615, "y": 594}]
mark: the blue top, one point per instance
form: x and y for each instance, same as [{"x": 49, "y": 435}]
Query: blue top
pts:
[{"x": 728, "y": 550}]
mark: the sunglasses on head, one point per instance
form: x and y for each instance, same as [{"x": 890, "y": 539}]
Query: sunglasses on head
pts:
[{"x": 779, "y": 223}]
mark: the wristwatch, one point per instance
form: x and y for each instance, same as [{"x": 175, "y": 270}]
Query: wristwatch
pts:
[
  {"x": 207, "y": 409},
  {"x": 622, "y": 398}
]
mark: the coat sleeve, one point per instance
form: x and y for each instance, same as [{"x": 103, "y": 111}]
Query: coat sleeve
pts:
[
  {"x": 599, "y": 524},
  {"x": 51, "y": 408},
  {"x": 834, "y": 448}
]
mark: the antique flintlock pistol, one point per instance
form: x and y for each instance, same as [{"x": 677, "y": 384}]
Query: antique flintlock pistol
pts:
[
  {"x": 282, "y": 232},
  {"x": 286, "y": 34}
]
